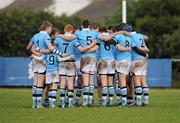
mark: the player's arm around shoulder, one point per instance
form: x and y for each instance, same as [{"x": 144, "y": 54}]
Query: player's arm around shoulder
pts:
[
  {"x": 39, "y": 58},
  {"x": 94, "y": 48},
  {"x": 68, "y": 38},
  {"x": 35, "y": 51},
  {"x": 85, "y": 49},
  {"x": 60, "y": 59},
  {"x": 28, "y": 47}
]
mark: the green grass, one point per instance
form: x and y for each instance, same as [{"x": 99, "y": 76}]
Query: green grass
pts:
[{"x": 15, "y": 107}]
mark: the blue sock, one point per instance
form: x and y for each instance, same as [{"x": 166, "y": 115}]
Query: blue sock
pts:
[
  {"x": 111, "y": 94},
  {"x": 85, "y": 95},
  {"x": 70, "y": 97},
  {"x": 78, "y": 95},
  {"x": 66, "y": 99},
  {"x": 124, "y": 96},
  {"x": 146, "y": 95},
  {"x": 118, "y": 96},
  {"x": 39, "y": 91},
  {"x": 91, "y": 93},
  {"x": 53, "y": 98},
  {"x": 50, "y": 97},
  {"x": 34, "y": 97},
  {"x": 62, "y": 97},
  {"x": 104, "y": 96},
  {"x": 138, "y": 93}
]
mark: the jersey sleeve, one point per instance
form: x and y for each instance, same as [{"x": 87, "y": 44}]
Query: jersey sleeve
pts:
[
  {"x": 116, "y": 39},
  {"x": 97, "y": 35},
  {"x": 32, "y": 40},
  {"x": 44, "y": 56},
  {"x": 48, "y": 40},
  {"x": 77, "y": 43},
  {"x": 133, "y": 44},
  {"x": 56, "y": 41}
]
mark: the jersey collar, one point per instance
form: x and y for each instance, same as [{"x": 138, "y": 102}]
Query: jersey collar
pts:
[
  {"x": 43, "y": 32},
  {"x": 85, "y": 29},
  {"x": 133, "y": 32}
]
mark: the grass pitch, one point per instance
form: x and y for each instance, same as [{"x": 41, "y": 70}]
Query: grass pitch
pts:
[{"x": 15, "y": 107}]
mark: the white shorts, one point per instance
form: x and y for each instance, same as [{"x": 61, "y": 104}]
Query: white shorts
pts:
[
  {"x": 78, "y": 70},
  {"x": 41, "y": 66},
  {"x": 139, "y": 67},
  {"x": 34, "y": 65},
  {"x": 67, "y": 68},
  {"x": 88, "y": 65},
  {"x": 106, "y": 67},
  {"x": 123, "y": 66},
  {"x": 52, "y": 77}
]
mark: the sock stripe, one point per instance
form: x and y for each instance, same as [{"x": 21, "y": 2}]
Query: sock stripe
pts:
[{"x": 85, "y": 93}]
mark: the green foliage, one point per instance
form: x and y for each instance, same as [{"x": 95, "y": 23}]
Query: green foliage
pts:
[
  {"x": 160, "y": 20},
  {"x": 18, "y": 26}
]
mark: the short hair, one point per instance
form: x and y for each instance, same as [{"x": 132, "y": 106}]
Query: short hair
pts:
[
  {"x": 45, "y": 25},
  {"x": 54, "y": 31},
  {"x": 94, "y": 26},
  {"x": 128, "y": 28},
  {"x": 68, "y": 28},
  {"x": 110, "y": 27},
  {"x": 119, "y": 27},
  {"x": 102, "y": 29},
  {"x": 85, "y": 23}
]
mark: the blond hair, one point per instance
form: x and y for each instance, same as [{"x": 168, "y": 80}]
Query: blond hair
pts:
[{"x": 45, "y": 25}]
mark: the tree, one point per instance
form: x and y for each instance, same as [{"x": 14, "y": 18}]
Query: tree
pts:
[
  {"x": 160, "y": 20},
  {"x": 18, "y": 26}
]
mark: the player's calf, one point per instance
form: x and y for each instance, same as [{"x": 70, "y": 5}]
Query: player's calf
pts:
[
  {"x": 85, "y": 95},
  {"x": 146, "y": 95},
  {"x": 111, "y": 94},
  {"x": 62, "y": 98},
  {"x": 138, "y": 94},
  {"x": 52, "y": 98},
  {"x": 39, "y": 91},
  {"x": 104, "y": 96},
  {"x": 34, "y": 97},
  {"x": 70, "y": 98},
  {"x": 78, "y": 96},
  {"x": 124, "y": 95},
  {"x": 91, "y": 93}
]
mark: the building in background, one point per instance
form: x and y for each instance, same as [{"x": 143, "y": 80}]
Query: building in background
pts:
[{"x": 95, "y": 10}]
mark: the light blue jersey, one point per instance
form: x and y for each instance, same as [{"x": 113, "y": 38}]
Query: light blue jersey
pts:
[
  {"x": 77, "y": 54},
  {"x": 41, "y": 40},
  {"x": 105, "y": 50},
  {"x": 51, "y": 62},
  {"x": 65, "y": 46},
  {"x": 138, "y": 39},
  {"x": 124, "y": 41},
  {"x": 84, "y": 37},
  {"x": 35, "y": 40}
]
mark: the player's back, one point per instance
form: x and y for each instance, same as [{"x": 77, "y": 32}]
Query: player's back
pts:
[
  {"x": 51, "y": 62},
  {"x": 105, "y": 50},
  {"x": 84, "y": 38},
  {"x": 35, "y": 40},
  {"x": 124, "y": 41},
  {"x": 138, "y": 39},
  {"x": 65, "y": 46},
  {"x": 42, "y": 40}
]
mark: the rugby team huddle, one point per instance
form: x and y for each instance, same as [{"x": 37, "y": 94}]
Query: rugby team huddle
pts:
[{"x": 115, "y": 56}]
